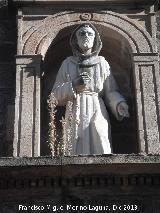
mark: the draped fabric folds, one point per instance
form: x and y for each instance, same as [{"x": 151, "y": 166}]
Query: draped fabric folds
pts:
[{"x": 87, "y": 127}]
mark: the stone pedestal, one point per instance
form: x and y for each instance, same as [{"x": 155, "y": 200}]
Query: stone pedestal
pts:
[{"x": 27, "y": 106}]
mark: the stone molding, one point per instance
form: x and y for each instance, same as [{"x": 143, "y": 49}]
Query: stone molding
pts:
[
  {"x": 37, "y": 40},
  {"x": 81, "y": 181},
  {"x": 27, "y": 106},
  {"x": 136, "y": 160},
  {"x": 21, "y": 2},
  {"x": 147, "y": 83},
  {"x": 116, "y": 178},
  {"x": 103, "y": 171},
  {"x": 113, "y": 171}
]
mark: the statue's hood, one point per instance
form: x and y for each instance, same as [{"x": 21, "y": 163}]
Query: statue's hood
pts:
[{"x": 97, "y": 43}]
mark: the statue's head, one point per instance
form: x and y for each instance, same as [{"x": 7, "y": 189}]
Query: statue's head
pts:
[{"x": 85, "y": 37}]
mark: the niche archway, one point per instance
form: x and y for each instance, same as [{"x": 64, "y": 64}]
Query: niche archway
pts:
[
  {"x": 134, "y": 41},
  {"x": 117, "y": 51}
]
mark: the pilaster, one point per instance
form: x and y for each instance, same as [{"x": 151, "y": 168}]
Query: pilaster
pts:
[
  {"x": 27, "y": 106},
  {"x": 147, "y": 92}
]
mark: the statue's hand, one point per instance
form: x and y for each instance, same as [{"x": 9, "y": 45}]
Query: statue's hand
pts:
[
  {"x": 83, "y": 79},
  {"x": 122, "y": 109}
]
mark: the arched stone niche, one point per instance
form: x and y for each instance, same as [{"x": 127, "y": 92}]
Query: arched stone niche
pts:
[
  {"x": 118, "y": 53},
  {"x": 37, "y": 41},
  {"x": 134, "y": 61}
]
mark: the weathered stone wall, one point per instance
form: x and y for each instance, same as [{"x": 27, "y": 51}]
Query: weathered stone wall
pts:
[
  {"x": 29, "y": 19},
  {"x": 114, "y": 179},
  {"x": 8, "y": 30}
]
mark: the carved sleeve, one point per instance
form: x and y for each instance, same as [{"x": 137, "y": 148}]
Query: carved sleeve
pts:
[{"x": 112, "y": 95}]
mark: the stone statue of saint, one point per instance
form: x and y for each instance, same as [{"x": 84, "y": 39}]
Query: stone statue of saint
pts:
[{"x": 85, "y": 85}]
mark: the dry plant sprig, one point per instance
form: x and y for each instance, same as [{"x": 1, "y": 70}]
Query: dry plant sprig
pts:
[
  {"x": 62, "y": 139},
  {"x": 52, "y": 140},
  {"x": 63, "y": 145}
]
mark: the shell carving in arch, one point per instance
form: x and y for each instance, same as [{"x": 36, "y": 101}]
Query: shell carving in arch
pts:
[{"x": 37, "y": 40}]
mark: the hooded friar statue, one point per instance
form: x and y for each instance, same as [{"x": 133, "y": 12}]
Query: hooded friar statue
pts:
[{"x": 85, "y": 85}]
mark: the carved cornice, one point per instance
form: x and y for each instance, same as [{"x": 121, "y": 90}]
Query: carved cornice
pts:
[
  {"x": 24, "y": 2},
  {"x": 113, "y": 175},
  {"x": 129, "y": 161},
  {"x": 144, "y": 180}
]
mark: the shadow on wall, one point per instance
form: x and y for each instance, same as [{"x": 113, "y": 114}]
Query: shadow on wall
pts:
[{"x": 117, "y": 52}]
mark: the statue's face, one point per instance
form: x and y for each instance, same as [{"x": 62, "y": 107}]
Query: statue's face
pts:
[{"x": 85, "y": 38}]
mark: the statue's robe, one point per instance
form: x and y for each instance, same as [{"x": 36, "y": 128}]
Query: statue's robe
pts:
[{"x": 87, "y": 128}]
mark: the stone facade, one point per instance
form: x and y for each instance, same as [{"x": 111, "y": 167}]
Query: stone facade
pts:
[
  {"x": 132, "y": 32},
  {"x": 7, "y": 79},
  {"x": 34, "y": 39}
]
